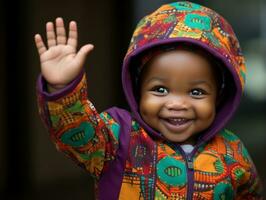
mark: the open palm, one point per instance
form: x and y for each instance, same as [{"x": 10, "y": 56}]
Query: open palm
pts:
[{"x": 60, "y": 62}]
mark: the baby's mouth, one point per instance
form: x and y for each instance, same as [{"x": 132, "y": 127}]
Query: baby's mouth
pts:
[
  {"x": 176, "y": 124},
  {"x": 177, "y": 121}
]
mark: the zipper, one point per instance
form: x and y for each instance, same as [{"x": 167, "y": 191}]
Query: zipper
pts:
[
  {"x": 189, "y": 167},
  {"x": 190, "y": 172},
  {"x": 190, "y": 176}
]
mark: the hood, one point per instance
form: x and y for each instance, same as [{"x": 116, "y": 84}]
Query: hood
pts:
[{"x": 197, "y": 25}]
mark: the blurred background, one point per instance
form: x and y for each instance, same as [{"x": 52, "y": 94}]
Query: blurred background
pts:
[{"x": 30, "y": 166}]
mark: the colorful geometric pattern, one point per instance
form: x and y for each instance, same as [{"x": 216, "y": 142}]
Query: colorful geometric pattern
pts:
[
  {"x": 79, "y": 131},
  {"x": 191, "y": 21}
]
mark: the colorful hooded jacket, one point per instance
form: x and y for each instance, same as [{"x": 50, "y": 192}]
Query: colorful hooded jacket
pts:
[{"x": 130, "y": 160}]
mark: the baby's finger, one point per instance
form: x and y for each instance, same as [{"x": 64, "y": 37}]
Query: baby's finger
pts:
[
  {"x": 60, "y": 31},
  {"x": 83, "y": 52},
  {"x": 73, "y": 34},
  {"x": 50, "y": 34},
  {"x": 39, "y": 44}
]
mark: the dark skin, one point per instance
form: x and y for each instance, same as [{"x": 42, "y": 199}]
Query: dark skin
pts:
[
  {"x": 60, "y": 61},
  {"x": 178, "y": 95}
]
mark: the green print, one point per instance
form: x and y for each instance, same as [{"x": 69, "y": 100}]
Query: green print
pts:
[
  {"x": 141, "y": 23},
  {"x": 223, "y": 191},
  {"x": 226, "y": 134},
  {"x": 105, "y": 116},
  {"x": 171, "y": 18},
  {"x": 185, "y": 6},
  {"x": 114, "y": 126},
  {"x": 135, "y": 126},
  {"x": 243, "y": 74},
  {"x": 55, "y": 120},
  {"x": 95, "y": 154},
  {"x": 239, "y": 173},
  {"x": 229, "y": 160},
  {"x": 188, "y": 34},
  {"x": 219, "y": 166},
  {"x": 77, "y": 107},
  {"x": 160, "y": 195},
  {"x": 80, "y": 136},
  {"x": 200, "y": 22},
  {"x": 115, "y": 129},
  {"x": 210, "y": 36},
  {"x": 171, "y": 171}
]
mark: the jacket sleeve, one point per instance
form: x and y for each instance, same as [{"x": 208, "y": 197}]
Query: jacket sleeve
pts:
[
  {"x": 250, "y": 186},
  {"x": 75, "y": 127}
]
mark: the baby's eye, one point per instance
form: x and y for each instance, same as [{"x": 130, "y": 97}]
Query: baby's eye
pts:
[
  {"x": 197, "y": 92},
  {"x": 160, "y": 90}
]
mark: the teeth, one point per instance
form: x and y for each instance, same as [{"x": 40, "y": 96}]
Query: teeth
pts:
[{"x": 177, "y": 119}]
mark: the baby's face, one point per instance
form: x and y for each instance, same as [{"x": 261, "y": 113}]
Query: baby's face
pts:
[{"x": 178, "y": 95}]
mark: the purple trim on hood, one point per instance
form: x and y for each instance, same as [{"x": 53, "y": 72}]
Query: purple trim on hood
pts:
[
  {"x": 41, "y": 84},
  {"x": 222, "y": 117},
  {"x": 111, "y": 179}
]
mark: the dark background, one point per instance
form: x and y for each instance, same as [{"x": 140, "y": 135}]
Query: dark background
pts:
[{"x": 30, "y": 166}]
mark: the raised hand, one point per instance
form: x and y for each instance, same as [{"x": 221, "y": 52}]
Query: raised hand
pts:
[{"x": 60, "y": 61}]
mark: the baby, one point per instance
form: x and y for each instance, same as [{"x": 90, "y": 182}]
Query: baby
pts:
[{"x": 183, "y": 77}]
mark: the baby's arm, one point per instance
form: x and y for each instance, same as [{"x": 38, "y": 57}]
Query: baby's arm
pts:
[
  {"x": 250, "y": 185},
  {"x": 74, "y": 125}
]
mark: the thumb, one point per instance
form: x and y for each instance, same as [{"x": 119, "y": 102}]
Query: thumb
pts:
[{"x": 83, "y": 52}]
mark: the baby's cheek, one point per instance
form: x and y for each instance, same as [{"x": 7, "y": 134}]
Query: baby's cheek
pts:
[
  {"x": 145, "y": 108},
  {"x": 207, "y": 111},
  {"x": 148, "y": 105}
]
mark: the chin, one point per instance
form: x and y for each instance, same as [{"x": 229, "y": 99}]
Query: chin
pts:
[{"x": 176, "y": 139}]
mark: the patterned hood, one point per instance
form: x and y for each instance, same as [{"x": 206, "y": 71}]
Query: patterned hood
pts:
[{"x": 197, "y": 25}]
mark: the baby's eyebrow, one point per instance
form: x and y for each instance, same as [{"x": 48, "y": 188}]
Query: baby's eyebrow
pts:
[
  {"x": 199, "y": 82},
  {"x": 156, "y": 78}
]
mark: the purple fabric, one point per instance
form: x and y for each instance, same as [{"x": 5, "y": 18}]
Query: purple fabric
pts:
[
  {"x": 222, "y": 117},
  {"x": 111, "y": 180},
  {"x": 41, "y": 84}
]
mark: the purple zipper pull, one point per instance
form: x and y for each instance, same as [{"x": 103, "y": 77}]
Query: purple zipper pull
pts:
[
  {"x": 190, "y": 163},
  {"x": 190, "y": 176}
]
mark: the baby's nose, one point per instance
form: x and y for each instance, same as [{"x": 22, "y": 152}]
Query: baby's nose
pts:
[{"x": 177, "y": 103}]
